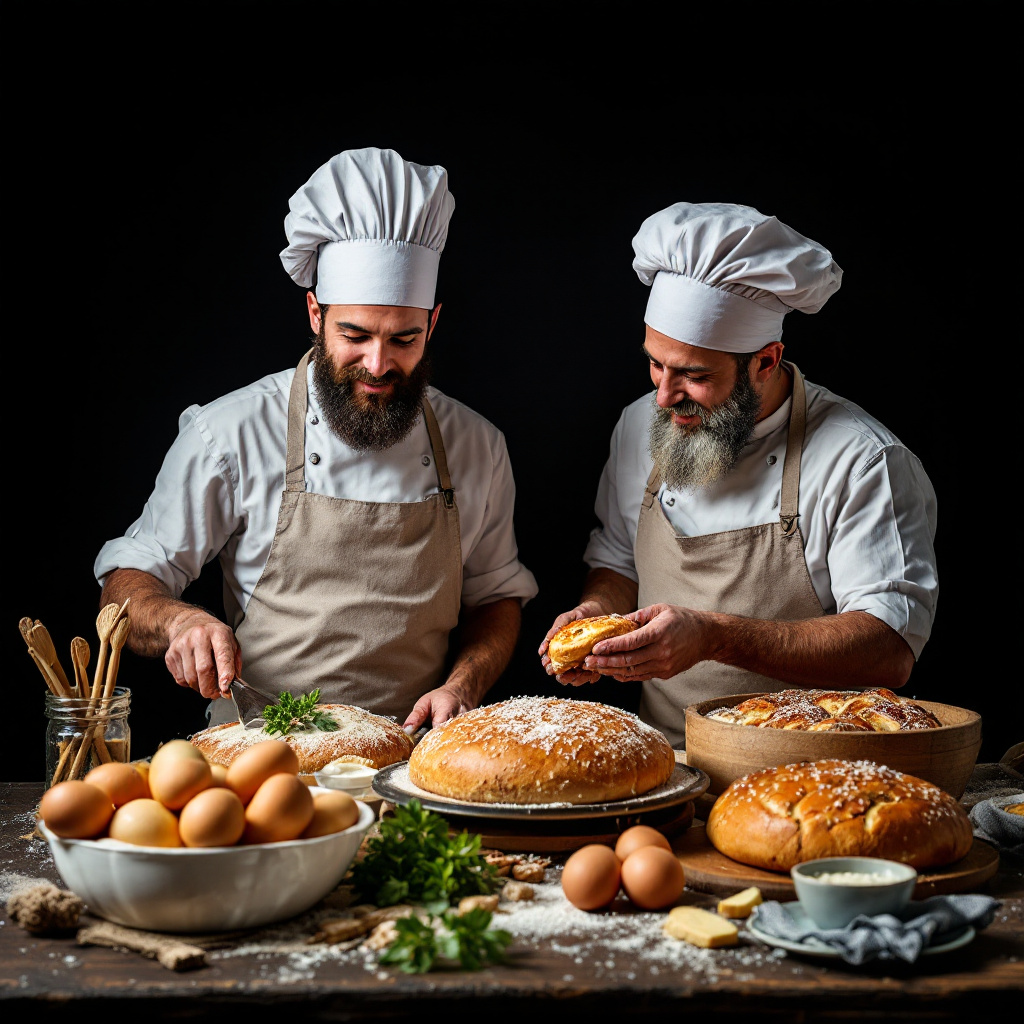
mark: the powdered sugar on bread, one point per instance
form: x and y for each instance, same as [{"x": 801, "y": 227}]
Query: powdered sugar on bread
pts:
[
  {"x": 538, "y": 750},
  {"x": 371, "y": 738}
]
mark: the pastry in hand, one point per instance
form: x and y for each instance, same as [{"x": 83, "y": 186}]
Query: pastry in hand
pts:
[{"x": 575, "y": 640}]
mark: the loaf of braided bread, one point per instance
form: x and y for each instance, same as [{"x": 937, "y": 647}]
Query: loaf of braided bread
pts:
[{"x": 777, "y": 817}]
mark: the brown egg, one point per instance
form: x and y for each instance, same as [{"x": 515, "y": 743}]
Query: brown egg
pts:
[
  {"x": 280, "y": 809},
  {"x": 591, "y": 877},
  {"x": 177, "y": 771},
  {"x": 145, "y": 822},
  {"x": 75, "y": 809},
  {"x": 120, "y": 781},
  {"x": 637, "y": 836},
  {"x": 142, "y": 767},
  {"x": 333, "y": 811},
  {"x": 653, "y": 877},
  {"x": 213, "y": 817},
  {"x": 257, "y": 763},
  {"x": 220, "y": 775}
]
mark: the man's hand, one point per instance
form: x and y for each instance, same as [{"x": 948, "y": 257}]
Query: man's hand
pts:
[
  {"x": 203, "y": 653},
  {"x": 574, "y": 676},
  {"x": 435, "y": 708},
  {"x": 670, "y": 640}
]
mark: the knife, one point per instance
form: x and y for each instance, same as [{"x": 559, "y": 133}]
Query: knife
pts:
[{"x": 249, "y": 703}]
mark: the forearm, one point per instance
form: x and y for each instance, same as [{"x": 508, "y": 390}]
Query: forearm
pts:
[
  {"x": 488, "y": 636},
  {"x": 156, "y": 615},
  {"x": 606, "y": 592},
  {"x": 851, "y": 650}
]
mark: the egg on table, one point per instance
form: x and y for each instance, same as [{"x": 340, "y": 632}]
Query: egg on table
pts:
[
  {"x": 653, "y": 877},
  {"x": 591, "y": 877}
]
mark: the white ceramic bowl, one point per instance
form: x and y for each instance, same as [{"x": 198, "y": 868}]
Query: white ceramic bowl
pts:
[
  {"x": 834, "y": 890},
  {"x": 205, "y": 889},
  {"x": 354, "y": 779}
]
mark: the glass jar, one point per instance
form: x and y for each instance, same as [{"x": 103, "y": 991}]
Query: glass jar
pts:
[{"x": 81, "y": 734}]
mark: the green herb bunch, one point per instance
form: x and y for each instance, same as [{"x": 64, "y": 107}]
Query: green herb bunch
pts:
[
  {"x": 466, "y": 939},
  {"x": 288, "y": 714},
  {"x": 415, "y": 859}
]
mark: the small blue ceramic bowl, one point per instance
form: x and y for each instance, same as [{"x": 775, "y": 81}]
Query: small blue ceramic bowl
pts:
[{"x": 834, "y": 890}]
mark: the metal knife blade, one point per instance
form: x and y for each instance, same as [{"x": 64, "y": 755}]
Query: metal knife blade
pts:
[{"x": 249, "y": 704}]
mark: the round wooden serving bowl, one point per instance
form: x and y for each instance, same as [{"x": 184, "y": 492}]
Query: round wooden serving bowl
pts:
[{"x": 944, "y": 756}]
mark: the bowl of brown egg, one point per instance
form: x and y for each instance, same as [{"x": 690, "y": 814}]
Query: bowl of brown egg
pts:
[{"x": 178, "y": 845}]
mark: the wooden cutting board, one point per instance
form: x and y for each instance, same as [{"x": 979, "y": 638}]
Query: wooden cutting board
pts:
[{"x": 707, "y": 870}]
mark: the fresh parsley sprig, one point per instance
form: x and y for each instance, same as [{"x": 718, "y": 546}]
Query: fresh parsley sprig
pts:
[
  {"x": 289, "y": 714},
  {"x": 414, "y": 859},
  {"x": 466, "y": 939}
]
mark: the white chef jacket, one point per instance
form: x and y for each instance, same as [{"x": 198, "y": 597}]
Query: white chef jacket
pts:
[
  {"x": 867, "y": 508},
  {"x": 219, "y": 489}
]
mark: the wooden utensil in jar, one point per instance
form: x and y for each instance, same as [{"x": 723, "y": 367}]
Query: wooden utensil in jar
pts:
[
  {"x": 80, "y": 656},
  {"x": 106, "y": 621},
  {"x": 40, "y": 639}
]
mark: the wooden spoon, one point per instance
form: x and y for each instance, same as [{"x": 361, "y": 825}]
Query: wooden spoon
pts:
[
  {"x": 40, "y": 639},
  {"x": 80, "y": 655},
  {"x": 105, "y": 622},
  {"x": 117, "y": 641}
]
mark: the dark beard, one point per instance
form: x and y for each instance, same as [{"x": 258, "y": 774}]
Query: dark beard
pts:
[
  {"x": 699, "y": 456},
  {"x": 367, "y": 422}
]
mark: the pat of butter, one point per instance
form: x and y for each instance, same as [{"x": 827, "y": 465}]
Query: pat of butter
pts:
[
  {"x": 700, "y": 927},
  {"x": 740, "y": 904}
]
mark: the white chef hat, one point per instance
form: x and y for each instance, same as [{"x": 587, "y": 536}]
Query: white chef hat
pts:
[
  {"x": 723, "y": 276},
  {"x": 368, "y": 229}
]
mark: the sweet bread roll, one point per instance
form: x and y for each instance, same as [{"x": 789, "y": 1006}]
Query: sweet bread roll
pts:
[
  {"x": 361, "y": 737},
  {"x": 777, "y": 817},
  {"x": 540, "y": 750},
  {"x": 575, "y": 640},
  {"x": 876, "y": 710}
]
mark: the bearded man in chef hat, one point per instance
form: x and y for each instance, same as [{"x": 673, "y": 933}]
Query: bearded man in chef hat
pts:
[
  {"x": 762, "y": 531},
  {"x": 359, "y": 515}
]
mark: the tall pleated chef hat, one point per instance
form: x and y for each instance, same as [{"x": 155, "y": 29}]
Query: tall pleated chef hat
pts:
[
  {"x": 723, "y": 276},
  {"x": 368, "y": 229}
]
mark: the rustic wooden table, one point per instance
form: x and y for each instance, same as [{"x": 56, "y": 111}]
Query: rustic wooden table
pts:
[{"x": 561, "y": 962}]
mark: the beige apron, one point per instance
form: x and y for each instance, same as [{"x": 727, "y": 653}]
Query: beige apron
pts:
[
  {"x": 757, "y": 572},
  {"x": 357, "y": 597}
]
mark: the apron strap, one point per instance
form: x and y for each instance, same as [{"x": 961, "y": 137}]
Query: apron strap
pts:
[
  {"x": 789, "y": 512},
  {"x": 295, "y": 476},
  {"x": 444, "y": 480}
]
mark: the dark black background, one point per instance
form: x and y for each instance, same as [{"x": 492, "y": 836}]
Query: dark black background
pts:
[{"x": 144, "y": 205}]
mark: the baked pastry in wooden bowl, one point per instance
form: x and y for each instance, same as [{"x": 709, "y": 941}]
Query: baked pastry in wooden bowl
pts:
[
  {"x": 777, "y": 817},
  {"x": 729, "y": 737},
  {"x": 542, "y": 750}
]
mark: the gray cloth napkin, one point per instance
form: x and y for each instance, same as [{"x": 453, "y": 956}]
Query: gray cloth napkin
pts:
[
  {"x": 1002, "y": 829},
  {"x": 929, "y": 922}
]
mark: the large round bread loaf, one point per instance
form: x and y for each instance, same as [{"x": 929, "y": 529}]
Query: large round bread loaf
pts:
[
  {"x": 777, "y": 817},
  {"x": 361, "y": 737},
  {"x": 539, "y": 750}
]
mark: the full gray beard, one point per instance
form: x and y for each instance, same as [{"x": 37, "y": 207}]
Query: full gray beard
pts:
[
  {"x": 367, "y": 422},
  {"x": 700, "y": 456}
]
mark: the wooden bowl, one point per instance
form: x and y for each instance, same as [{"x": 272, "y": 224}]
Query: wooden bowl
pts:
[{"x": 944, "y": 756}]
